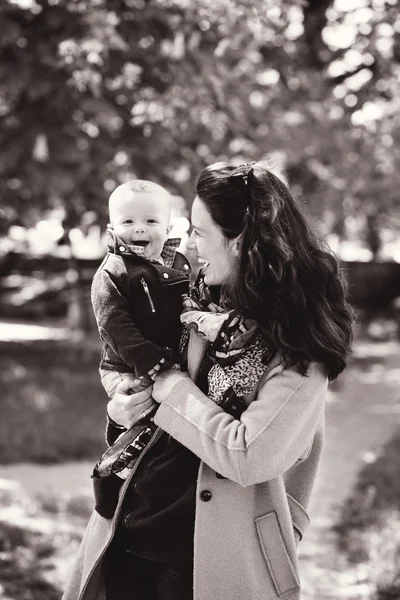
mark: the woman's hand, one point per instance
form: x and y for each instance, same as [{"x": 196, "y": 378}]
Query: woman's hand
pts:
[
  {"x": 164, "y": 383},
  {"x": 126, "y": 407}
]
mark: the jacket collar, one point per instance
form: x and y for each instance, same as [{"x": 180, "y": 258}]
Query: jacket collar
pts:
[{"x": 117, "y": 246}]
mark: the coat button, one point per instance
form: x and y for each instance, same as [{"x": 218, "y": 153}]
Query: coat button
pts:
[
  {"x": 186, "y": 267},
  {"x": 122, "y": 248},
  {"x": 205, "y": 495},
  {"x": 165, "y": 275}
]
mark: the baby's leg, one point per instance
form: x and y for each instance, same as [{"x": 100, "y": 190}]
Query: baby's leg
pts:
[
  {"x": 127, "y": 447},
  {"x": 122, "y": 455},
  {"x": 110, "y": 380},
  {"x": 114, "y": 465}
]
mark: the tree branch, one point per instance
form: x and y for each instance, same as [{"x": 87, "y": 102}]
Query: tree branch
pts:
[{"x": 340, "y": 78}]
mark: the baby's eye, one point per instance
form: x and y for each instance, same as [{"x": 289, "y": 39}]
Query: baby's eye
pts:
[
  {"x": 128, "y": 221},
  {"x": 151, "y": 221}
]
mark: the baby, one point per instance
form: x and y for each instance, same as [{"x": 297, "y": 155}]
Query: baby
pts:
[{"x": 137, "y": 301}]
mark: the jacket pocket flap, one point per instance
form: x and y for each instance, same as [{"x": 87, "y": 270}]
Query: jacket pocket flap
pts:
[
  {"x": 167, "y": 278},
  {"x": 300, "y": 518},
  {"x": 276, "y": 556}
]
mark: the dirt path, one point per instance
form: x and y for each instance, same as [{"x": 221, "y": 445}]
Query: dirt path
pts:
[
  {"x": 362, "y": 414},
  {"x": 63, "y": 480}
]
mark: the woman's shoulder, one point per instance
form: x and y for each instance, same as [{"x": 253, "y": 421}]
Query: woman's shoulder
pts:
[{"x": 292, "y": 376}]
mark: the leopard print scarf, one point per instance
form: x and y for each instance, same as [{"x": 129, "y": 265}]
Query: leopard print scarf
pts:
[{"x": 238, "y": 351}]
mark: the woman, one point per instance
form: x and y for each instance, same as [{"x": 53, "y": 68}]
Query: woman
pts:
[{"x": 237, "y": 483}]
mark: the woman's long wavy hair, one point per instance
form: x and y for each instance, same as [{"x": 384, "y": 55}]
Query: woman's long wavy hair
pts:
[{"x": 287, "y": 278}]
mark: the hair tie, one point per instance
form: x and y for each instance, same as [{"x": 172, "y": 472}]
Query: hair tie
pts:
[{"x": 244, "y": 171}]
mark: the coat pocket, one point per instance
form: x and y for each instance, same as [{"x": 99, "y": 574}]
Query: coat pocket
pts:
[{"x": 280, "y": 567}]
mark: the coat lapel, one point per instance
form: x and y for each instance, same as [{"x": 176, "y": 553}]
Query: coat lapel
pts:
[{"x": 196, "y": 352}]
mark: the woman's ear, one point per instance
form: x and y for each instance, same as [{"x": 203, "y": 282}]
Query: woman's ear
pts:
[{"x": 235, "y": 246}]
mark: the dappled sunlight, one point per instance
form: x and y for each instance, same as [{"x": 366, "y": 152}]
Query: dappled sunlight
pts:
[
  {"x": 377, "y": 374},
  {"x": 8, "y": 485},
  {"x": 14, "y": 332},
  {"x": 37, "y": 549},
  {"x": 13, "y": 372},
  {"x": 370, "y": 457},
  {"x": 366, "y": 348},
  {"x": 41, "y": 399},
  {"x": 393, "y": 375},
  {"x": 373, "y": 376}
]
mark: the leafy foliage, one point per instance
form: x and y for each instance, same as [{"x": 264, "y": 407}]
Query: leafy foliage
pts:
[{"x": 93, "y": 92}]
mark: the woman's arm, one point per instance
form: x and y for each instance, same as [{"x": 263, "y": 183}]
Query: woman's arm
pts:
[{"x": 274, "y": 432}]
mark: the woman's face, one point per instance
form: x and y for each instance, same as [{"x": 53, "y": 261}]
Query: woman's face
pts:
[{"x": 218, "y": 253}]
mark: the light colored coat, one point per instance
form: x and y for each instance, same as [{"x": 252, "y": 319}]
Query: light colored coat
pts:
[{"x": 247, "y": 527}]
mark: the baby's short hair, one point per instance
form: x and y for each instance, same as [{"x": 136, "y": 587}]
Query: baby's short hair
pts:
[{"x": 141, "y": 186}]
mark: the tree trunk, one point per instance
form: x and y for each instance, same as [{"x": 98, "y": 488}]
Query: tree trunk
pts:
[{"x": 314, "y": 22}]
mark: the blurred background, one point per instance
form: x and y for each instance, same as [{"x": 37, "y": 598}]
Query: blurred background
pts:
[{"x": 93, "y": 93}]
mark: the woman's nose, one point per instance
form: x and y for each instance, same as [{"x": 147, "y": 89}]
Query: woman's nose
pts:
[{"x": 190, "y": 244}]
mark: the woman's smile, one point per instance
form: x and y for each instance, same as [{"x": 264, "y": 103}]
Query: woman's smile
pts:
[{"x": 202, "y": 261}]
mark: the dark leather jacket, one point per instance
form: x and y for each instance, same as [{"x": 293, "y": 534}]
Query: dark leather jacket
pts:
[{"x": 137, "y": 305}]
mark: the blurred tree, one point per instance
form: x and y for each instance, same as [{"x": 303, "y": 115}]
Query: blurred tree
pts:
[{"x": 93, "y": 92}]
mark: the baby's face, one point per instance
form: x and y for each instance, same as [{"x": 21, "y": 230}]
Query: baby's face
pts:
[{"x": 143, "y": 219}]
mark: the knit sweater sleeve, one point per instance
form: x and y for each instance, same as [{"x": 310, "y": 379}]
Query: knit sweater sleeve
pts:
[{"x": 274, "y": 432}]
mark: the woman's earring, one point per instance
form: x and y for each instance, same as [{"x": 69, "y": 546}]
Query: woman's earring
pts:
[{"x": 236, "y": 248}]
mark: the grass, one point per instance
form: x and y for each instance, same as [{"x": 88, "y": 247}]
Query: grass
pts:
[
  {"x": 23, "y": 556},
  {"x": 369, "y": 525},
  {"x": 37, "y": 546},
  {"x": 52, "y": 402}
]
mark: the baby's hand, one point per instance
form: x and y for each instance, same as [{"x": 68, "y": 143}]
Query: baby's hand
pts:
[
  {"x": 141, "y": 384},
  {"x": 153, "y": 372},
  {"x": 138, "y": 384}
]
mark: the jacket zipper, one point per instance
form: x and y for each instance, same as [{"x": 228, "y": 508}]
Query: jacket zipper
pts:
[
  {"x": 135, "y": 487},
  {"x": 155, "y": 437},
  {"x": 147, "y": 292}
]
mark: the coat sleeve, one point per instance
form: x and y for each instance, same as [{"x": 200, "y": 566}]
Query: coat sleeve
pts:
[
  {"x": 274, "y": 432},
  {"x": 118, "y": 329}
]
